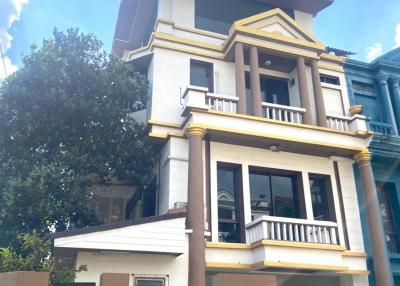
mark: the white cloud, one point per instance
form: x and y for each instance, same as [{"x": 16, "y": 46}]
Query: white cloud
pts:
[
  {"x": 9, "y": 13},
  {"x": 397, "y": 35},
  {"x": 374, "y": 51}
]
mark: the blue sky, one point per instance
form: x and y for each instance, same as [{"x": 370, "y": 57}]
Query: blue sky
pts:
[{"x": 367, "y": 27}]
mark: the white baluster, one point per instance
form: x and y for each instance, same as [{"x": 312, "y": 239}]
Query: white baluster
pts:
[
  {"x": 308, "y": 233},
  {"x": 298, "y": 117},
  {"x": 273, "y": 113},
  {"x": 285, "y": 115},
  {"x": 284, "y": 233},
  {"x": 302, "y": 235},
  {"x": 333, "y": 235},
  {"x": 278, "y": 231},
  {"x": 290, "y": 232},
  {"x": 296, "y": 232},
  {"x": 280, "y": 114},
  {"x": 264, "y": 230},
  {"x": 326, "y": 235},
  {"x": 319, "y": 234},
  {"x": 314, "y": 230},
  {"x": 272, "y": 228}
]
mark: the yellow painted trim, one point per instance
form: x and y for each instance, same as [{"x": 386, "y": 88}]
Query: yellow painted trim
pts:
[
  {"x": 280, "y": 264},
  {"x": 164, "y": 123},
  {"x": 333, "y": 58},
  {"x": 354, "y": 254},
  {"x": 305, "y": 126},
  {"x": 228, "y": 265},
  {"x": 299, "y": 245},
  {"x": 276, "y": 264},
  {"x": 279, "y": 37},
  {"x": 202, "y": 32},
  {"x": 277, "y": 12},
  {"x": 222, "y": 245},
  {"x": 270, "y": 23},
  {"x": 187, "y": 51},
  {"x": 355, "y": 272},
  {"x": 281, "y": 138},
  {"x": 189, "y": 42},
  {"x": 267, "y": 46}
]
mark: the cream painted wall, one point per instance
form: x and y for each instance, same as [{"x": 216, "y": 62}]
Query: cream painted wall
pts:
[
  {"x": 305, "y": 20},
  {"x": 305, "y": 164},
  {"x": 180, "y": 11},
  {"x": 133, "y": 263}
]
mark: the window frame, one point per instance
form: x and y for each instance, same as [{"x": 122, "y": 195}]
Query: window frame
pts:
[
  {"x": 323, "y": 76},
  {"x": 210, "y": 69},
  {"x": 298, "y": 188},
  {"x": 158, "y": 278},
  {"x": 330, "y": 202},
  {"x": 239, "y": 203}
]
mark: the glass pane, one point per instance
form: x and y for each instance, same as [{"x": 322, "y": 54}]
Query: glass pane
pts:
[
  {"x": 103, "y": 208},
  {"x": 200, "y": 75},
  {"x": 149, "y": 282},
  {"x": 319, "y": 199},
  {"x": 227, "y": 207},
  {"x": 275, "y": 91},
  {"x": 283, "y": 196},
  {"x": 260, "y": 195}
]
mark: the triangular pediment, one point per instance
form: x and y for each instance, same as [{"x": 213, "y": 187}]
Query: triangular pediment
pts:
[{"x": 276, "y": 24}]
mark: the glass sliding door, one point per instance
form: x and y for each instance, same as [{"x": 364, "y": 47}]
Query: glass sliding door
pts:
[{"x": 230, "y": 203}]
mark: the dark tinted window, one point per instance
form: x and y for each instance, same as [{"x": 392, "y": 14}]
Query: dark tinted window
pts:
[
  {"x": 321, "y": 197},
  {"x": 330, "y": 79},
  {"x": 273, "y": 90},
  {"x": 201, "y": 74},
  {"x": 229, "y": 203},
  {"x": 149, "y": 282},
  {"x": 219, "y": 15},
  {"x": 274, "y": 194}
]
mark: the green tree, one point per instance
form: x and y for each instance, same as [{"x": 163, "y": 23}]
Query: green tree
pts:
[{"x": 65, "y": 126}]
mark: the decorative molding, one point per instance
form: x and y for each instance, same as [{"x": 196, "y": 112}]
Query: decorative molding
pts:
[
  {"x": 195, "y": 130},
  {"x": 362, "y": 157}
]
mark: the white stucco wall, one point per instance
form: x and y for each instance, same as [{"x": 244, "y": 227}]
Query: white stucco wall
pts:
[{"x": 305, "y": 20}]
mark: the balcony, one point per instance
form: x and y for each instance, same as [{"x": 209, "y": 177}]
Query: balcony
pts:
[
  {"x": 199, "y": 98},
  {"x": 294, "y": 230},
  {"x": 381, "y": 128}
]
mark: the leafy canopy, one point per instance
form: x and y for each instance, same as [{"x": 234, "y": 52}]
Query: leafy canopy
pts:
[{"x": 65, "y": 126}]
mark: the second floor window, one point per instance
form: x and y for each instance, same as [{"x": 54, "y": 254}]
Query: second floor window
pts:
[
  {"x": 273, "y": 90},
  {"x": 202, "y": 74},
  {"x": 329, "y": 79},
  {"x": 321, "y": 197},
  {"x": 275, "y": 193}
]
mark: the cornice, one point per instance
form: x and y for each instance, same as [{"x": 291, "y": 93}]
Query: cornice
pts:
[{"x": 385, "y": 146}]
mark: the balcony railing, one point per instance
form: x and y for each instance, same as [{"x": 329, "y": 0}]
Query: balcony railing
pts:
[
  {"x": 382, "y": 128},
  {"x": 283, "y": 112},
  {"x": 288, "y": 229},
  {"x": 225, "y": 103},
  {"x": 339, "y": 122}
]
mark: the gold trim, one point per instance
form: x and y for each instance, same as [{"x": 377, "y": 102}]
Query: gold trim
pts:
[
  {"x": 354, "y": 254},
  {"x": 299, "y": 245},
  {"x": 363, "y": 157},
  {"x": 164, "y": 123},
  {"x": 330, "y": 68},
  {"x": 163, "y": 136},
  {"x": 274, "y": 12},
  {"x": 280, "y": 264},
  {"x": 300, "y": 125},
  {"x": 279, "y": 243},
  {"x": 228, "y": 265},
  {"x": 195, "y": 130},
  {"x": 332, "y": 58},
  {"x": 189, "y": 42},
  {"x": 281, "y": 138},
  {"x": 355, "y": 272}
]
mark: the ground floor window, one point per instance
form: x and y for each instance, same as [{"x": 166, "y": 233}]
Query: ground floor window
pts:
[
  {"x": 149, "y": 281},
  {"x": 276, "y": 193},
  {"x": 230, "y": 203},
  {"x": 387, "y": 204}
]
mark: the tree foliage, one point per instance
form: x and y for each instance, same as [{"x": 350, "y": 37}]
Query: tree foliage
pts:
[{"x": 65, "y": 126}]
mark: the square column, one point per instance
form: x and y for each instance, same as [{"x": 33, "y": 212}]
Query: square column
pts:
[
  {"x": 303, "y": 88},
  {"x": 319, "y": 99},
  {"x": 240, "y": 78},
  {"x": 255, "y": 82}
]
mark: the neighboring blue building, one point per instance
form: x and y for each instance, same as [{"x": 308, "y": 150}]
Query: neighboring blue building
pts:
[{"x": 376, "y": 87}]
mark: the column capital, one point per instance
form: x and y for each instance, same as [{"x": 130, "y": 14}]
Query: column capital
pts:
[
  {"x": 195, "y": 130},
  {"x": 382, "y": 78},
  {"x": 395, "y": 80},
  {"x": 363, "y": 157}
]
